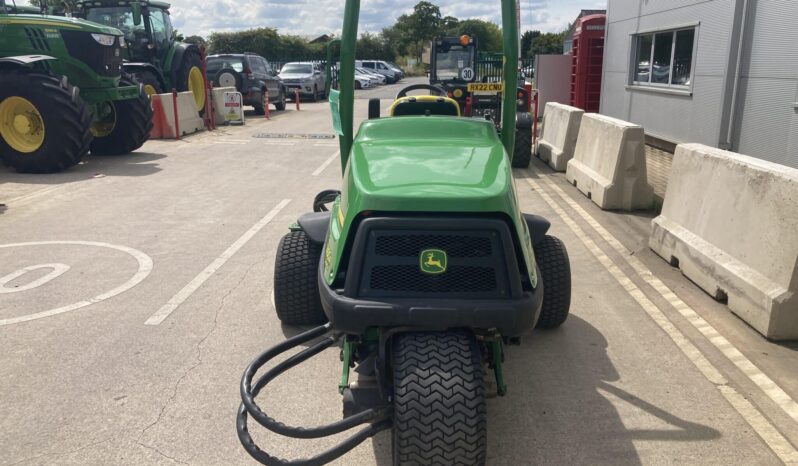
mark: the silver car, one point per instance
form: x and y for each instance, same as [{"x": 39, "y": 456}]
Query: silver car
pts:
[{"x": 309, "y": 78}]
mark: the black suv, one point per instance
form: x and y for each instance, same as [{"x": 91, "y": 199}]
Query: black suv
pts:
[{"x": 251, "y": 75}]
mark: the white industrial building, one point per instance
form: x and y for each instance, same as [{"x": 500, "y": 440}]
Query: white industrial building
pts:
[{"x": 718, "y": 72}]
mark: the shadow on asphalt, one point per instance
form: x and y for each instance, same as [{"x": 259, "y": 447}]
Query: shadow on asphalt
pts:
[
  {"x": 557, "y": 410},
  {"x": 133, "y": 164}
]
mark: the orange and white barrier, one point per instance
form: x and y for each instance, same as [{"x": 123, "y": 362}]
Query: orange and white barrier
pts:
[{"x": 174, "y": 115}]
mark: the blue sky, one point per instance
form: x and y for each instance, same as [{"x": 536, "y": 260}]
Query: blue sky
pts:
[{"x": 308, "y": 17}]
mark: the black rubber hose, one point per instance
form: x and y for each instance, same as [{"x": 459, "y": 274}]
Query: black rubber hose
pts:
[
  {"x": 248, "y": 394},
  {"x": 321, "y": 459}
]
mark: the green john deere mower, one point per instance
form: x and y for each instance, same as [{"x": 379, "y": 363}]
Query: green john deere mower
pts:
[
  {"x": 422, "y": 269},
  {"x": 62, "y": 92},
  {"x": 152, "y": 53}
]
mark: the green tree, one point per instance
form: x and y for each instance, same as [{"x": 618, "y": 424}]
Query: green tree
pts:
[
  {"x": 489, "y": 35},
  {"x": 547, "y": 43},
  {"x": 196, "y": 40},
  {"x": 374, "y": 46},
  {"x": 526, "y": 42},
  {"x": 424, "y": 24}
]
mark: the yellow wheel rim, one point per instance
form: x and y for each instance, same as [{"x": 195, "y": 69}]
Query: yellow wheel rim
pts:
[
  {"x": 150, "y": 90},
  {"x": 105, "y": 122},
  {"x": 21, "y": 125},
  {"x": 196, "y": 84}
]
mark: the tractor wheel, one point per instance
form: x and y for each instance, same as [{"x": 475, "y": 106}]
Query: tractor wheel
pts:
[
  {"x": 124, "y": 126},
  {"x": 189, "y": 77},
  {"x": 44, "y": 124},
  {"x": 260, "y": 106},
  {"x": 296, "y": 289},
  {"x": 151, "y": 83},
  {"x": 280, "y": 104},
  {"x": 439, "y": 399},
  {"x": 522, "y": 151},
  {"x": 555, "y": 273}
]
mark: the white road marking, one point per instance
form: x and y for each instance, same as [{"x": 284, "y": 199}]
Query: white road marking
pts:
[
  {"x": 772, "y": 437},
  {"x": 56, "y": 271},
  {"x": 145, "y": 267},
  {"x": 765, "y": 383},
  {"x": 217, "y": 263},
  {"x": 326, "y": 163}
]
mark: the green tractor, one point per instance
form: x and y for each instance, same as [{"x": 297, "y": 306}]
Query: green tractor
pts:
[
  {"x": 62, "y": 92},
  {"x": 477, "y": 87},
  {"x": 422, "y": 269},
  {"x": 152, "y": 54}
]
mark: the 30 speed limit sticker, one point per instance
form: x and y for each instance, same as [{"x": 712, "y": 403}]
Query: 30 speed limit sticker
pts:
[{"x": 467, "y": 74}]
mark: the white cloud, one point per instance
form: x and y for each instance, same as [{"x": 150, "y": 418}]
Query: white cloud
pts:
[{"x": 308, "y": 17}]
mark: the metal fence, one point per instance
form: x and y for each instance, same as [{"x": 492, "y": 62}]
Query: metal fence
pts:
[{"x": 490, "y": 67}]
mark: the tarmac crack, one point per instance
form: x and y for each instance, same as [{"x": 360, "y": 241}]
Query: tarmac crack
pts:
[{"x": 197, "y": 363}]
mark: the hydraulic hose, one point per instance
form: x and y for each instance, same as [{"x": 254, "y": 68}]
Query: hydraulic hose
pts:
[{"x": 380, "y": 419}]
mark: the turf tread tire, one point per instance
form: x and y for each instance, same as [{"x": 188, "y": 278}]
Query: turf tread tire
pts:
[
  {"x": 522, "y": 150},
  {"x": 133, "y": 125},
  {"x": 67, "y": 122},
  {"x": 296, "y": 290},
  {"x": 440, "y": 417},
  {"x": 555, "y": 273}
]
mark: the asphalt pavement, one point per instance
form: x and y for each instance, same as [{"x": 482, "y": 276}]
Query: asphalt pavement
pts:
[{"x": 135, "y": 289}]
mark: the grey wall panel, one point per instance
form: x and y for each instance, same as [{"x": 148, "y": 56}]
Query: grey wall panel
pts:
[
  {"x": 614, "y": 98},
  {"x": 695, "y": 118},
  {"x": 770, "y": 49},
  {"x": 767, "y": 120}
]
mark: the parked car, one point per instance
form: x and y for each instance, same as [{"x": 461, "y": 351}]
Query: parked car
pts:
[
  {"x": 397, "y": 69},
  {"x": 362, "y": 81},
  {"x": 376, "y": 77},
  {"x": 308, "y": 77},
  {"x": 251, "y": 75},
  {"x": 380, "y": 67}
]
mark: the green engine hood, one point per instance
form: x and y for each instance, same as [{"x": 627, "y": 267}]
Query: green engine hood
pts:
[
  {"x": 418, "y": 164},
  {"x": 429, "y": 163},
  {"x": 57, "y": 22}
]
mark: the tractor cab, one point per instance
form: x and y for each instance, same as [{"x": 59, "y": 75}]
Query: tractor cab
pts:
[{"x": 146, "y": 25}]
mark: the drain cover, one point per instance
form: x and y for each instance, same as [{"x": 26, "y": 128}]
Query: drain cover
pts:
[{"x": 293, "y": 136}]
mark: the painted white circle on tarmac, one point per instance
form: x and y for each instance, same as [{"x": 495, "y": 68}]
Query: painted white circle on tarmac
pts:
[
  {"x": 144, "y": 269},
  {"x": 56, "y": 270}
]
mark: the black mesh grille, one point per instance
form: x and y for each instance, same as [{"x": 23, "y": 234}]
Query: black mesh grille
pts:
[
  {"x": 412, "y": 245},
  {"x": 457, "y": 279},
  {"x": 476, "y": 265}
]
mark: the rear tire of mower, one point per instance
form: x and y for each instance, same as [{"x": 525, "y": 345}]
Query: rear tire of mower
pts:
[
  {"x": 522, "y": 151},
  {"x": 555, "y": 273},
  {"x": 67, "y": 123},
  {"x": 296, "y": 289},
  {"x": 132, "y": 128},
  {"x": 440, "y": 415}
]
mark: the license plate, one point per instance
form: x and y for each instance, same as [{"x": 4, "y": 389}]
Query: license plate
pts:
[{"x": 485, "y": 87}]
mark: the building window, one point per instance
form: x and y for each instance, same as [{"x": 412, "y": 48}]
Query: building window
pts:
[{"x": 664, "y": 58}]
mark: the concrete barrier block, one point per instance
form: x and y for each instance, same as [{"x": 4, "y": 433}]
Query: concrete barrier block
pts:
[
  {"x": 217, "y": 97},
  {"x": 164, "y": 123},
  {"x": 560, "y": 130},
  {"x": 730, "y": 223},
  {"x": 609, "y": 163}
]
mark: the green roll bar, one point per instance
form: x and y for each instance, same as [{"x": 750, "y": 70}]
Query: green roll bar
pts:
[{"x": 346, "y": 76}]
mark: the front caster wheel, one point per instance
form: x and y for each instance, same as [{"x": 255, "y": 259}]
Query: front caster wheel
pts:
[
  {"x": 555, "y": 272},
  {"x": 296, "y": 290}
]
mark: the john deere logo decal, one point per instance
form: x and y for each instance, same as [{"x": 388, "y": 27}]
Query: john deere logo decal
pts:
[{"x": 433, "y": 261}]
